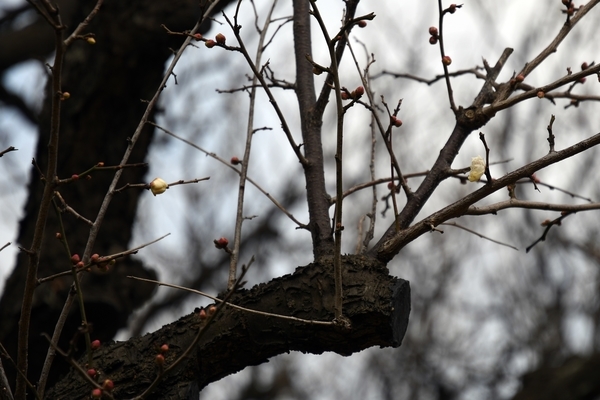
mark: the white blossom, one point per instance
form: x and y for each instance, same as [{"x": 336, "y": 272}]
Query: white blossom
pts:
[{"x": 477, "y": 169}]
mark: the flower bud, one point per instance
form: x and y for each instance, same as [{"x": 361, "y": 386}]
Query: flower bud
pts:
[
  {"x": 202, "y": 314},
  {"x": 108, "y": 385},
  {"x": 395, "y": 121},
  {"x": 159, "y": 359},
  {"x": 220, "y": 38},
  {"x": 221, "y": 243},
  {"x": 158, "y": 186},
  {"x": 446, "y": 60}
]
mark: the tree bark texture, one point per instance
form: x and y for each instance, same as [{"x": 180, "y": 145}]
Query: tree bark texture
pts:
[{"x": 377, "y": 304}]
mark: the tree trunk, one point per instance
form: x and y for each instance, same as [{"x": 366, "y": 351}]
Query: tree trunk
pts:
[{"x": 108, "y": 83}]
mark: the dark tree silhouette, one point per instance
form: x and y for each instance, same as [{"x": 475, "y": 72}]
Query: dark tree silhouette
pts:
[{"x": 337, "y": 303}]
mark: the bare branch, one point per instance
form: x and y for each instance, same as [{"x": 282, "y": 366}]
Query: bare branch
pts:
[
  {"x": 237, "y": 171},
  {"x": 478, "y": 234},
  {"x": 239, "y": 219},
  {"x": 533, "y": 205},
  {"x": 7, "y": 150},
  {"x": 387, "y": 249},
  {"x": 548, "y": 224}
]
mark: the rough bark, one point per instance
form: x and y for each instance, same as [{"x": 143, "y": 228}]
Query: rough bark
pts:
[{"x": 377, "y": 304}]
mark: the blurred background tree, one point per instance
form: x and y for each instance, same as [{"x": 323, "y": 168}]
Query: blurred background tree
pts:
[{"x": 487, "y": 321}]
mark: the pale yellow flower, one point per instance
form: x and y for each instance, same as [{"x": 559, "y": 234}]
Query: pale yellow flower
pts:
[
  {"x": 158, "y": 186},
  {"x": 477, "y": 169}
]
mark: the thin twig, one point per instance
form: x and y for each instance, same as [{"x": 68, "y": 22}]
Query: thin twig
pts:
[
  {"x": 239, "y": 218},
  {"x": 488, "y": 174},
  {"x": 274, "y": 104},
  {"x": 478, "y": 234},
  {"x": 503, "y": 101},
  {"x": 103, "y": 260},
  {"x": 64, "y": 314},
  {"x": 443, "y": 54},
  {"x": 533, "y": 205},
  {"x": 452, "y": 172},
  {"x": 6, "y": 389},
  {"x": 77, "y": 32},
  {"x": 82, "y": 372},
  {"x": 548, "y": 225},
  {"x": 45, "y": 204},
  {"x": 7, "y": 150},
  {"x": 70, "y": 210},
  {"x": 500, "y": 105},
  {"x": 147, "y": 185},
  {"x": 4, "y": 354},
  {"x": 431, "y": 81},
  {"x": 550, "y": 134},
  {"x": 551, "y": 187},
  {"x": 237, "y": 171}
]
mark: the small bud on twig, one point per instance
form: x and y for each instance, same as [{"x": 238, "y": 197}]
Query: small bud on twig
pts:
[{"x": 158, "y": 186}]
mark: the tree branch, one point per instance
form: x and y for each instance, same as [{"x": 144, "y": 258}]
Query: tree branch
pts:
[
  {"x": 386, "y": 250},
  {"x": 311, "y": 122},
  {"x": 377, "y": 304}
]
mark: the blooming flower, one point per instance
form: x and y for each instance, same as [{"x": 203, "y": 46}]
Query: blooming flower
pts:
[
  {"x": 158, "y": 186},
  {"x": 477, "y": 169}
]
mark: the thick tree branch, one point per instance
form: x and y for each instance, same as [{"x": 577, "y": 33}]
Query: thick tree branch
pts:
[
  {"x": 311, "y": 122},
  {"x": 377, "y": 304}
]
